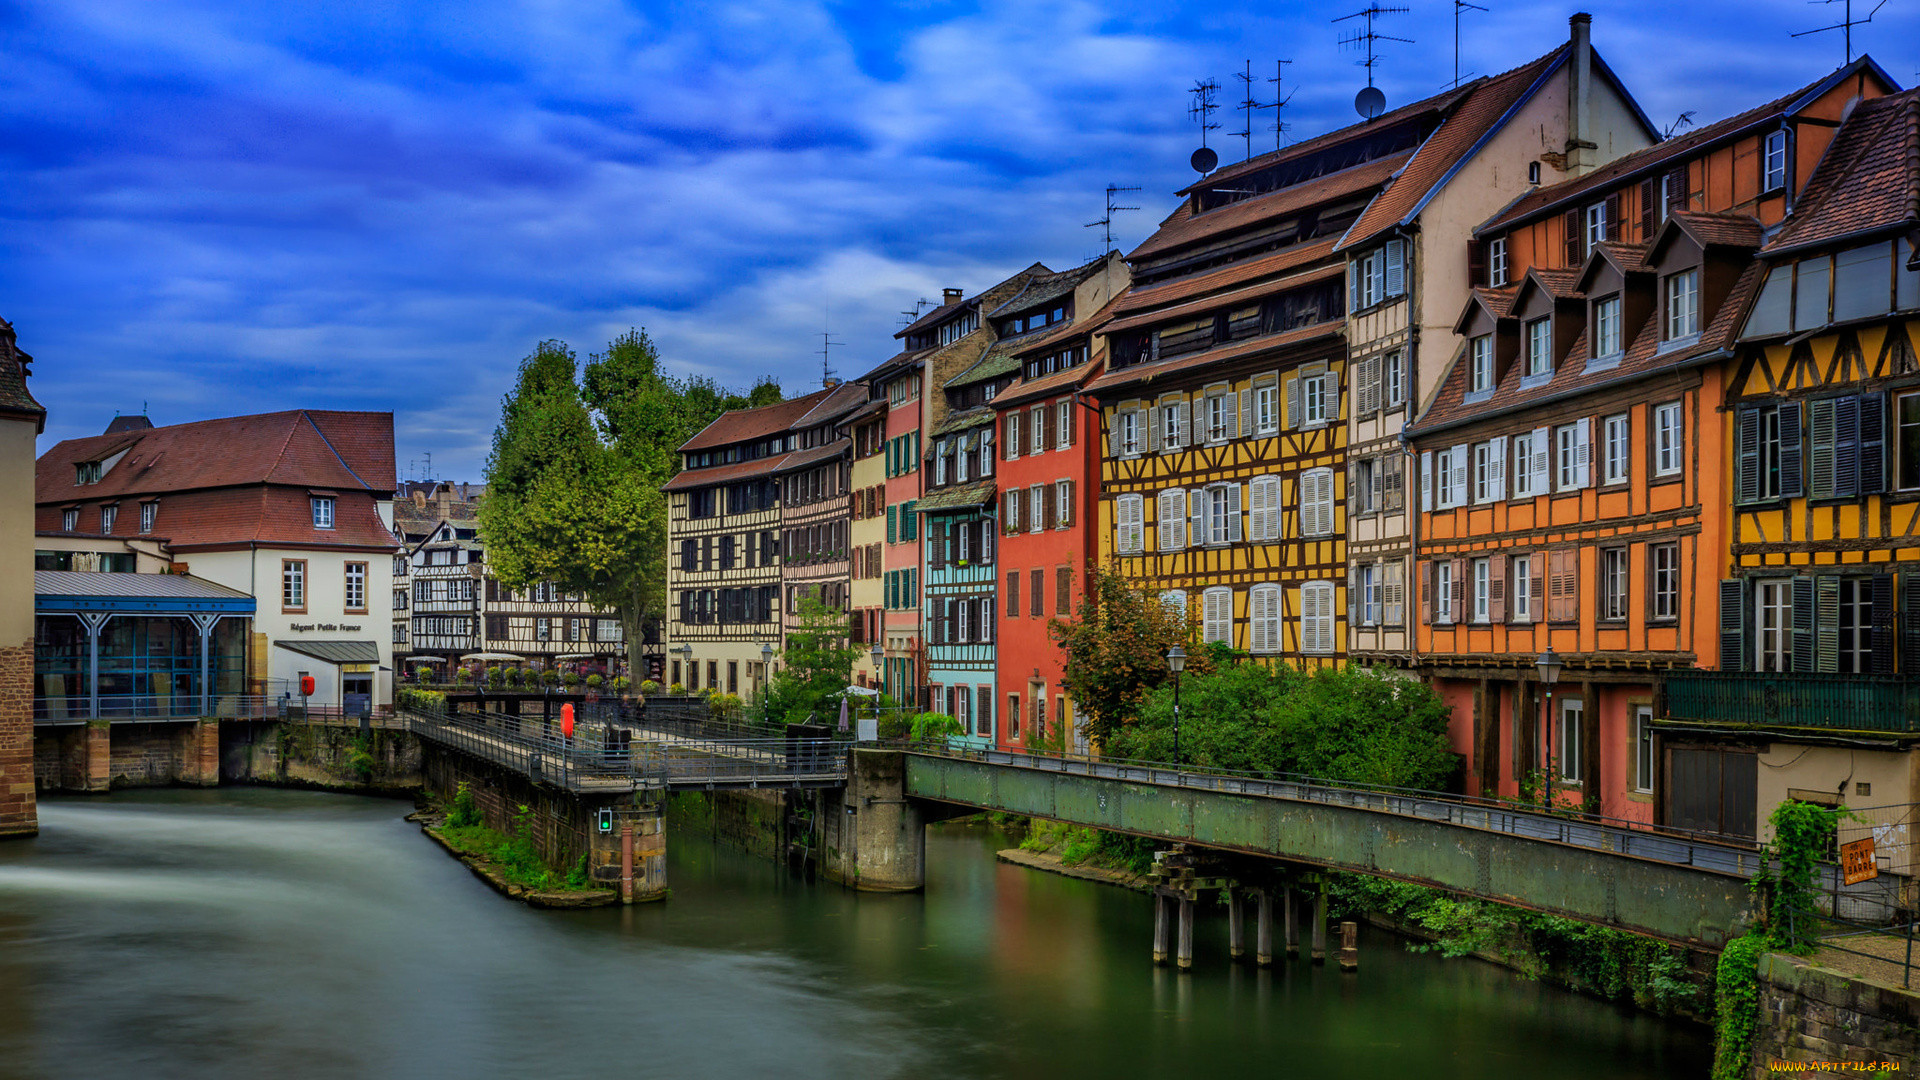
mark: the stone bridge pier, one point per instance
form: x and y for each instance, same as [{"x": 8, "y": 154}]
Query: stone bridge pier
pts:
[
  {"x": 621, "y": 834},
  {"x": 873, "y": 837}
]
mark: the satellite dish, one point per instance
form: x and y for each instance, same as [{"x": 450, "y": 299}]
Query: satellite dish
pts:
[
  {"x": 1203, "y": 160},
  {"x": 1370, "y": 102}
]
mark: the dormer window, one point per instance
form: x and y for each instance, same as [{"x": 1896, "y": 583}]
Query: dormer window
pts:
[
  {"x": 1775, "y": 175},
  {"x": 1606, "y": 327},
  {"x": 1682, "y": 294},
  {"x": 1596, "y": 225},
  {"x": 1540, "y": 348},
  {"x": 1480, "y": 365},
  {"x": 1380, "y": 274},
  {"x": 86, "y": 472},
  {"x": 322, "y": 511},
  {"x": 148, "y": 511},
  {"x": 108, "y": 514},
  {"x": 70, "y": 521}
]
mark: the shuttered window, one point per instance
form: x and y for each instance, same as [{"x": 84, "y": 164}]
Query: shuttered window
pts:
[
  {"x": 1171, "y": 518},
  {"x": 1768, "y": 452},
  {"x": 1217, "y": 615},
  {"x": 1316, "y": 502},
  {"x": 1263, "y": 619},
  {"x": 1263, "y": 497},
  {"x": 1316, "y": 617},
  {"x": 1129, "y": 513},
  {"x": 1845, "y": 446}
]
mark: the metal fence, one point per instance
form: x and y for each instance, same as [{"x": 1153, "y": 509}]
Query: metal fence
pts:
[
  {"x": 1810, "y": 700},
  {"x": 150, "y": 707}
]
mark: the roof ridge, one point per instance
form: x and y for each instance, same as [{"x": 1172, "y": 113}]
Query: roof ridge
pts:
[{"x": 304, "y": 415}]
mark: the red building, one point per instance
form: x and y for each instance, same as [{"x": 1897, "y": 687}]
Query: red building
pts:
[{"x": 1049, "y": 478}]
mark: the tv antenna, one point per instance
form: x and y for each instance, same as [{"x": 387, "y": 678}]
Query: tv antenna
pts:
[
  {"x": 826, "y": 349},
  {"x": 1684, "y": 120},
  {"x": 1846, "y": 24},
  {"x": 908, "y": 318},
  {"x": 1280, "y": 127},
  {"x": 1458, "y": 7},
  {"x": 1106, "y": 223},
  {"x": 1368, "y": 38},
  {"x": 1205, "y": 100},
  {"x": 1247, "y": 104}
]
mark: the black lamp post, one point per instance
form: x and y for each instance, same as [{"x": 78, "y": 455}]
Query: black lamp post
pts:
[
  {"x": 1176, "y": 663},
  {"x": 1549, "y": 665}
]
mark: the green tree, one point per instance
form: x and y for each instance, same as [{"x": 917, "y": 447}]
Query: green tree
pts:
[
  {"x": 1116, "y": 650},
  {"x": 816, "y": 667}
]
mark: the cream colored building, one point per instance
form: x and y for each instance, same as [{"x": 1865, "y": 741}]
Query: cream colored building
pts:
[{"x": 21, "y": 420}]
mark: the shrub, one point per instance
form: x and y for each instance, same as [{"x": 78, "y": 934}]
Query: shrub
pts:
[
  {"x": 571, "y": 678},
  {"x": 464, "y": 811},
  {"x": 595, "y": 681},
  {"x": 496, "y": 676},
  {"x": 894, "y": 724},
  {"x": 422, "y": 673},
  {"x": 549, "y": 676},
  {"x": 462, "y": 676},
  {"x": 932, "y": 725},
  {"x": 430, "y": 702},
  {"x": 725, "y": 706},
  {"x": 676, "y": 688}
]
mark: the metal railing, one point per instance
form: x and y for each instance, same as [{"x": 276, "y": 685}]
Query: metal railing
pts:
[
  {"x": 1774, "y": 700},
  {"x": 1712, "y": 852},
  {"x": 151, "y": 707}
]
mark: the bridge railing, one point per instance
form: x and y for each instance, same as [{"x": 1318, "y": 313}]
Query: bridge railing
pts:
[{"x": 1720, "y": 853}]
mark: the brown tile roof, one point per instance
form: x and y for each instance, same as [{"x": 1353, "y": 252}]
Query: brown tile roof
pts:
[
  {"x": 14, "y": 369},
  {"x": 844, "y": 399},
  {"x": 1045, "y": 288},
  {"x": 893, "y": 363},
  {"x": 1652, "y": 158},
  {"x": 1869, "y": 177},
  {"x": 801, "y": 459},
  {"x": 724, "y": 474},
  {"x": 1167, "y": 292},
  {"x": 931, "y": 318},
  {"x": 743, "y": 425},
  {"x": 1183, "y": 227},
  {"x": 348, "y": 451},
  {"x": 1488, "y": 102},
  {"x": 1627, "y": 258},
  {"x": 1110, "y": 384},
  {"x": 1643, "y": 357},
  {"x": 229, "y": 517},
  {"x": 1025, "y": 390},
  {"x": 1215, "y": 301},
  {"x": 1719, "y": 230},
  {"x": 1497, "y": 301},
  {"x": 1425, "y": 107}
]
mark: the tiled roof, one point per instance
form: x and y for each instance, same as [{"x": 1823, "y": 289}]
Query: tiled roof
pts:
[
  {"x": 1025, "y": 390},
  {"x": 844, "y": 399},
  {"x": 1643, "y": 357},
  {"x": 1110, "y": 384},
  {"x": 1869, "y": 177},
  {"x": 1425, "y": 107},
  {"x": 1046, "y": 288},
  {"x": 14, "y": 368},
  {"x": 1214, "y": 301},
  {"x": 236, "y": 516},
  {"x": 1629, "y": 258},
  {"x": 931, "y": 318},
  {"x": 146, "y": 586},
  {"x": 962, "y": 421},
  {"x": 743, "y": 425},
  {"x": 892, "y": 364},
  {"x": 347, "y": 451},
  {"x": 801, "y": 459},
  {"x": 1652, "y": 158},
  {"x": 1724, "y": 230},
  {"x": 1559, "y": 284},
  {"x": 957, "y": 497},
  {"x": 1183, "y": 228},
  {"x": 998, "y": 360},
  {"x": 1488, "y": 102},
  {"x": 1168, "y": 292},
  {"x": 724, "y": 474}
]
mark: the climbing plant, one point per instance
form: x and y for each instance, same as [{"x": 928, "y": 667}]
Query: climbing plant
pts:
[
  {"x": 1737, "y": 1005},
  {"x": 1803, "y": 833}
]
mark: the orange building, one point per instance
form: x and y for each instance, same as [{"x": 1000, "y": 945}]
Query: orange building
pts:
[{"x": 1571, "y": 462}]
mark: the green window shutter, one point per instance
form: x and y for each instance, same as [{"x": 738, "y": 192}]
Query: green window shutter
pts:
[
  {"x": 1826, "y": 623},
  {"x": 1910, "y": 623},
  {"x": 1883, "y": 631},
  {"x": 1873, "y": 446},
  {"x": 1803, "y": 624},
  {"x": 1735, "y": 618},
  {"x": 1791, "y": 484},
  {"x": 1747, "y": 475},
  {"x": 1846, "y": 447},
  {"x": 893, "y": 529}
]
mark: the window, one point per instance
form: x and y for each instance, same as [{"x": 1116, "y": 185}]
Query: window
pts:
[
  {"x": 1480, "y": 370},
  {"x": 399, "y": 633},
  {"x": 1394, "y": 379},
  {"x": 1683, "y": 305},
  {"x": 1062, "y": 504},
  {"x": 1037, "y": 437},
  {"x": 357, "y": 587},
  {"x": 1618, "y": 448},
  {"x": 1316, "y": 617},
  {"x": 70, "y": 520},
  {"x": 1129, "y": 522},
  {"x": 1669, "y": 439},
  {"x": 1540, "y": 348},
  {"x": 1369, "y": 599},
  {"x": 1316, "y": 504},
  {"x": 1606, "y": 327},
  {"x": 1643, "y": 748},
  {"x": 1773, "y": 625},
  {"x": 1175, "y": 601},
  {"x": 1571, "y": 714},
  {"x": 1223, "y": 416},
  {"x": 1173, "y": 425},
  {"x": 1217, "y": 615},
  {"x": 1664, "y": 563},
  {"x": 1443, "y": 591},
  {"x": 1767, "y": 465},
  {"x": 108, "y": 515},
  {"x": 1063, "y": 590},
  {"x": 1263, "y": 619},
  {"x": 1775, "y": 175},
  {"x": 1845, "y": 446},
  {"x": 1266, "y": 409},
  {"x": 1129, "y": 420},
  {"x": 1363, "y": 494},
  {"x": 1263, "y": 511},
  {"x": 148, "y": 511},
  {"x": 1036, "y": 508},
  {"x": 1482, "y": 588},
  {"x": 1613, "y": 583},
  {"x": 1489, "y": 470},
  {"x": 322, "y": 512},
  {"x": 1063, "y": 425},
  {"x": 1596, "y": 225},
  {"x": 1521, "y": 589},
  {"x": 1393, "y": 592},
  {"x": 1572, "y": 456},
  {"x": 86, "y": 472},
  {"x": 1523, "y": 466},
  {"x": 293, "y": 585},
  {"x": 1497, "y": 261},
  {"x": 1313, "y": 399}
]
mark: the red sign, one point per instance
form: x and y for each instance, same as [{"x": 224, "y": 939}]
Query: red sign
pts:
[
  {"x": 1856, "y": 862},
  {"x": 566, "y": 719},
  {"x": 306, "y": 686}
]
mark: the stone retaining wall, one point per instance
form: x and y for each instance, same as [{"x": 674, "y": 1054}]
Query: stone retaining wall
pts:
[{"x": 1812, "y": 1016}]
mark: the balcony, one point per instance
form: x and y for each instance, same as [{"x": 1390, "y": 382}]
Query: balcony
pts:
[{"x": 1811, "y": 702}]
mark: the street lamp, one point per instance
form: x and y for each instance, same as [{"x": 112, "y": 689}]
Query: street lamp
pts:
[
  {"x": 1176, "y": 663},
  {"x": 1549, "y": 666}
]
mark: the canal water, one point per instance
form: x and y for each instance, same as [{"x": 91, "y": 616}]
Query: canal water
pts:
[{"x": 245, "y": 932}]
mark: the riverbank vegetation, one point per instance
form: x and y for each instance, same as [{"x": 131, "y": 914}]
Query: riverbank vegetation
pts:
[{"x": 512, "y": 854}]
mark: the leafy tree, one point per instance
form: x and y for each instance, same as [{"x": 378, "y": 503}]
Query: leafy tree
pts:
[
  {"x": 1116, "y": 650},
  {"x": 816, "y": 667}
]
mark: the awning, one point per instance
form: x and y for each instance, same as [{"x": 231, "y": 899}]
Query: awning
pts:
[
  {"x": 335, "y": 652},
  {"x": 426, "y": 659},
  {"x": 493, "y": 656}
]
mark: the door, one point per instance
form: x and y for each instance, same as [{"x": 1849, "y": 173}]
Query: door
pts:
[
  {"x": 356, "y": 694},
  {"x": 1712, "y": 789}
]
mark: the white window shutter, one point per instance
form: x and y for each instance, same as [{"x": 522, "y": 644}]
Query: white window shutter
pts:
[
  {"x": 1497, "y": 468},
  {"x": 1246, "y": 413},
  {"x": 1332, "y": 397},
  {"x": 1273, "y": 509},
  {"x": 1257, "y": 508},
  {"x": 1293, "y": 402},
  {"x": 1355, "y": 294},
  {"x": 1197, "y": 533},
  {"x": 1542, "y": 459},
  {"x": 1326, "y": 502},
  {"x": 1234, "y": 409},
  {"x": 1185, "y": 410},
  {"x": 1165, "y": 520},
  {"x": 1426, "y": 480},
  {"x": 1233, "y": 513},
  {"x": 1152, "y": 416},
  {"x": 1583, "y": 452},
  {"x": 1396, "y": 267},
  {"x": 1457, "y": 474}
]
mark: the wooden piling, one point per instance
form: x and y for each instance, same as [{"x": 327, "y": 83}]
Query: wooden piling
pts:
[
  {"x": 1292, "y": 915},
  {"x": 626, "y": 861},
  {"x": 1236, "y": 924},
  {"x": 1263, "y": 929},
  {"x": 1320, "y": 925},
  {"x": 1185, "y": 959},
  {"x": 1349, "y": 946},
  {"x": 1159, "y": 929}
]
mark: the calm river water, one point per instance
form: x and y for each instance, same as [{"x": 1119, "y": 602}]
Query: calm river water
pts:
[{"x": 250, "y": 932}]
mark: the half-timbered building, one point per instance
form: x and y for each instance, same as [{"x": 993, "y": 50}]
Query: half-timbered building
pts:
[
  {"x": 724, "y": 601},
  {"x": 1818, "y": 612},
  {"x": 866, "y": 428},
  {"x": 816, "y": 509},
  {"x": 1049, "y": 445}
]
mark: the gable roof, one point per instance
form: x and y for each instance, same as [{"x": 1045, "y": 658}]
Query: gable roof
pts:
[
  {"x": 14, "y": 368},
  {"x": 1867, "y": 181},
  {"x": 1496, "y": 302},
  {"x": 1046, "y": 287},
  {"x": 347, "y": 451},
  {"x": 1707, "y": 230},
  {"x": 1183, "y": 227},
  {"x": 1623, "y": 257},
  {"x": 741, "y": 425}
]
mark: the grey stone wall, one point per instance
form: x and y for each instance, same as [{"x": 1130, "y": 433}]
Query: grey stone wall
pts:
[{"x": 1811, "y": 1015}]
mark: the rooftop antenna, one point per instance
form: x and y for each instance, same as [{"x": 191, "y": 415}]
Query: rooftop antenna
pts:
[
  {"x": 1370, "y": 102},
  {"x": 1845, "y": 25},
  {"x": 908, "y": 318},
  {"x": 1106, "y": 223},
  {"x": 1458, "y": 7},
  {"x": 1247, "y": 104},
  {"x": 826, "y": 348},
  {"x": 1684, "y": 120},
  {"x": 1280, "y": 127},
  {"x": 1205, "y": 102},
  {"x": 427, "y": 473}
]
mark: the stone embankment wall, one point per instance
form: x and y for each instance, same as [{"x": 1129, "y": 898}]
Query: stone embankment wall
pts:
[
  {"x": 1812, "y": 1017},
  {"x": 748, "y": 821},
  {"x": 18, "y": 814},
  {"x": 99, "y": 756},
  {"x": 327, "y": 756}
]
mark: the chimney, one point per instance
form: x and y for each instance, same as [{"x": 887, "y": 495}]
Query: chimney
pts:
[
  {"x": 951, "y": 296},
  {"x": 1580, "y": 144}
]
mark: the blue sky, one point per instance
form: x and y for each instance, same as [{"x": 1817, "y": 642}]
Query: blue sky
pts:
[{"x": 219, "y": 208}]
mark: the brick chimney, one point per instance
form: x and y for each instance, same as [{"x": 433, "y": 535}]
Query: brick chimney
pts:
[
  {"x": 1581, "y": 156},
  {"x": 951, "y": 296}
]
